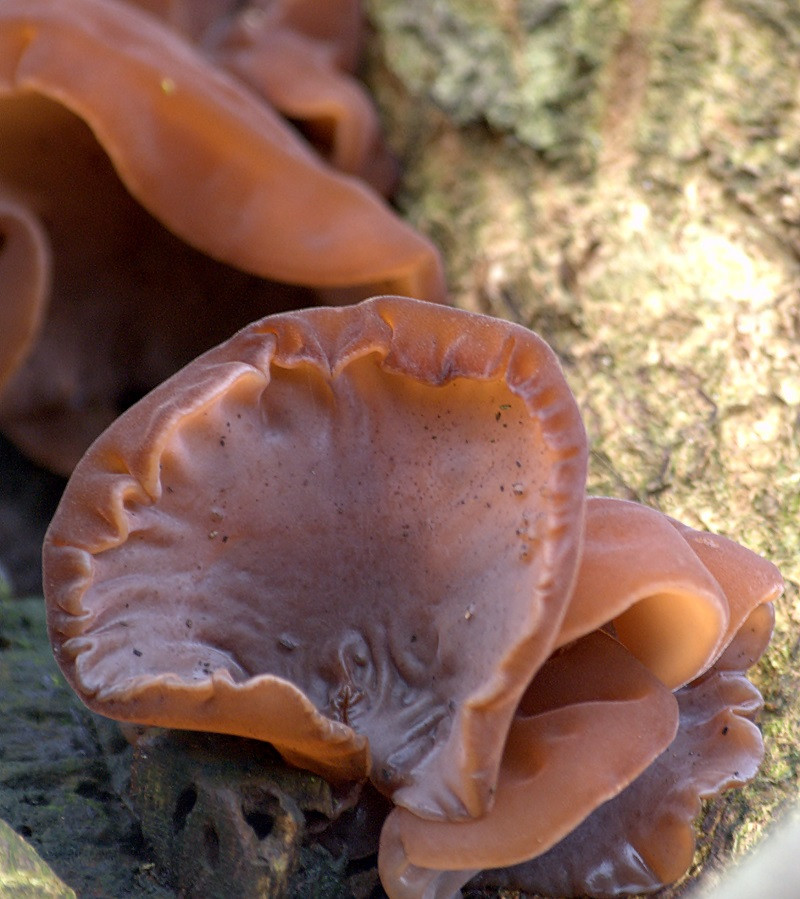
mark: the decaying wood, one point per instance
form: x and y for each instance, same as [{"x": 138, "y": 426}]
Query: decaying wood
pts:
[{"x": 221, "y": 811}]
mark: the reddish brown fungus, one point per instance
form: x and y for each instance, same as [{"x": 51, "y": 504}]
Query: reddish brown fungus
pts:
[
  {"x": 591, "y": 720},
  {"x": 300, "y": 56},
  {"x": 684, "y": 604},
  {"x": 644, "y": 838},
  {"x": 160, "y": 200},
  {"x": 360, "y": 534},
  {"x": 321, "y": 498},
  {"x": 640, "y": 574}
]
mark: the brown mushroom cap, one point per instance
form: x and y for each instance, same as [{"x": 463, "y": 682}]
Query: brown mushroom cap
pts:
[
  {"x": 104, "y": 302},
  {"x": 376, "y": 507},
  {"x": 85, "y": 84},
  {"x": 592, "y": 719},
  {"x": 750, "y": 584},
  {"x": 675, "y": 596}
]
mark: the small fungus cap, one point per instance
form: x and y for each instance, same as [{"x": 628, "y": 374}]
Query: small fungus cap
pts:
[
  {"x": 369, "y": 517},
  {"x": 674, "y": 596},
  {"x": 639, "y": 574},
  {"x": 300, "y": 56}
]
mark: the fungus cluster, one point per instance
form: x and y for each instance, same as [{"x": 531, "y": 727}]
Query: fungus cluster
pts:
[
  {"x": 168, "y": 174},
  {"x": 361, "y": 534}
]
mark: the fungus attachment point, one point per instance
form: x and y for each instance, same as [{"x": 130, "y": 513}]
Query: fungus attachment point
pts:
[{"x": 322, "y": 497}]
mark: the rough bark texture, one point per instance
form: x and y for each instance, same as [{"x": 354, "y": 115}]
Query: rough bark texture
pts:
[{"x": 621, "y": 176}]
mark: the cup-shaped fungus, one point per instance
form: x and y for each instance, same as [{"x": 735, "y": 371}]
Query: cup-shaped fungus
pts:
[
  {"x": 599, "y": 735},
  {"x": 348, "y": 532},
  {"x": 165, "y": 204}
]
